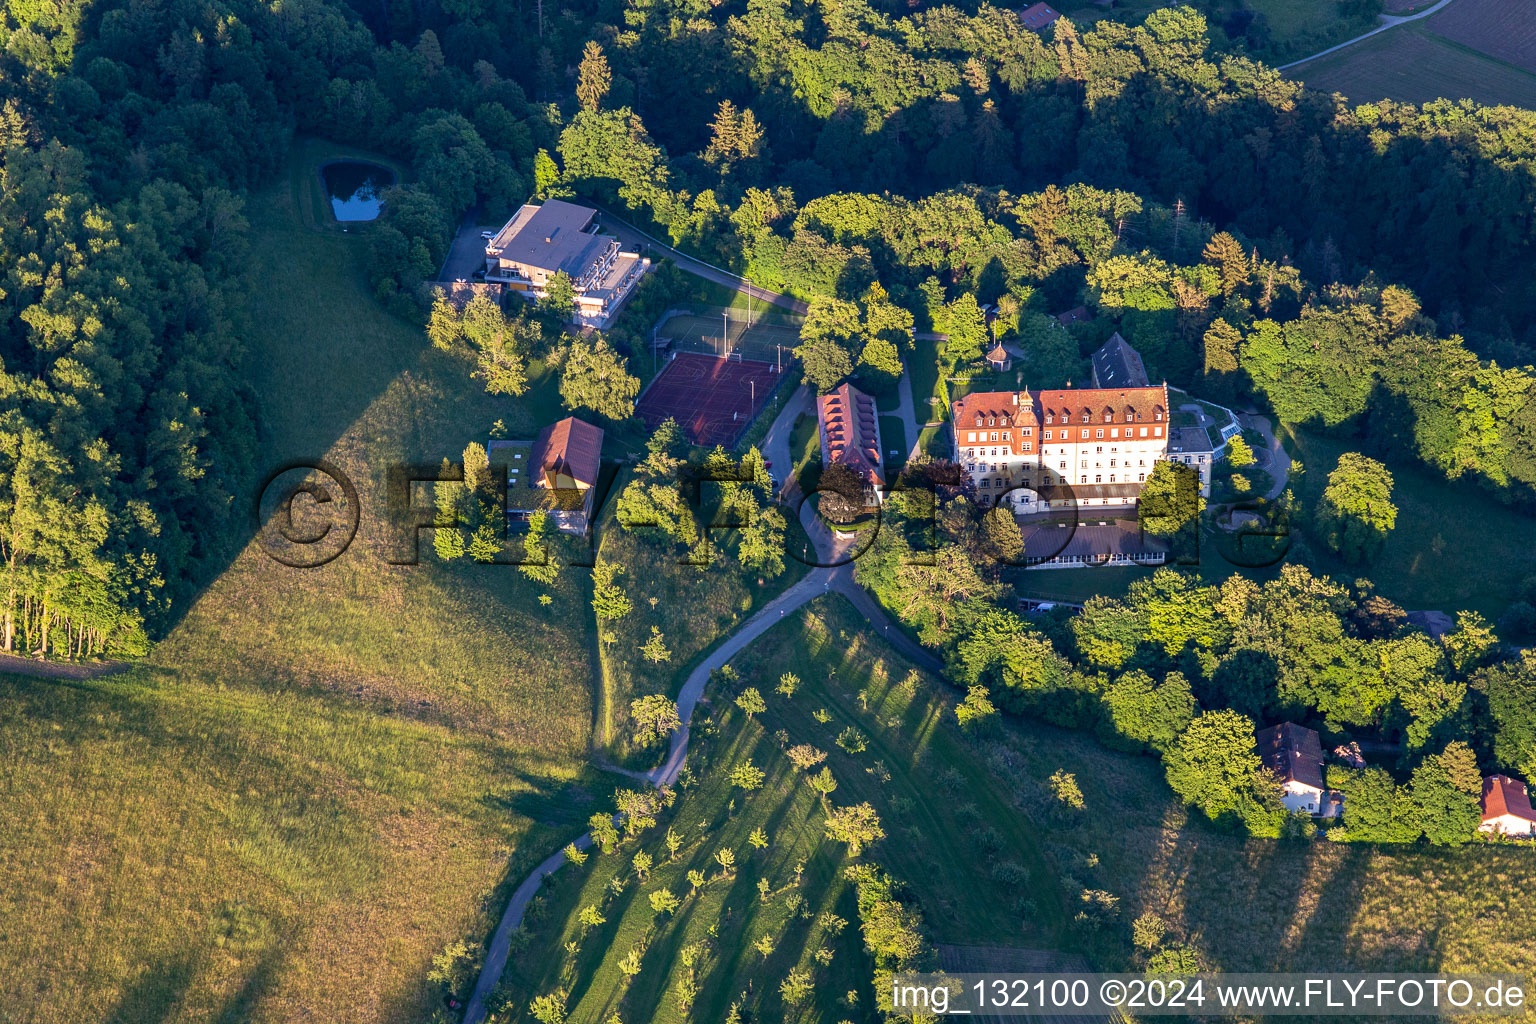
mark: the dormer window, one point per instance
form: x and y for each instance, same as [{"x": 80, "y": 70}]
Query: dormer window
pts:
[{"x": 978, "y": 421}]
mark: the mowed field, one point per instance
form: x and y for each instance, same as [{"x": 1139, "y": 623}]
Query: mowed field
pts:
[
  {"x": 322, "y": 776},
  {"x": 1482, "y": 50}
]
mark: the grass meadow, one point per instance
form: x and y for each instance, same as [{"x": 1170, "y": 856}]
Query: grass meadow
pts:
[
  {"x": 1454, "y": 545},
  {"x": 316, "y": 781},
  {"x": 692, "y": 605},
  {"x": 946, "y": 829},
  {"x": 1258, "y": 904}
]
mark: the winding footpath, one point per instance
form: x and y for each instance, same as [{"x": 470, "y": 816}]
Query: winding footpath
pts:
[
  {"x": 1387, "y": 21},
  {"x": 836, "y": 575}
]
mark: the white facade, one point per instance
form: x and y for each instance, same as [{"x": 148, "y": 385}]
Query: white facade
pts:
[
  {"x": 1100, "y": 443},
  {"x": 1298, "y": 796}
]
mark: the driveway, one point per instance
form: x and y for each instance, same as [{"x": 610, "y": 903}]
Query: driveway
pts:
[
  {"x": 907, "y": 410},
  {"x": 466, "y": 254},
  {"x": 1273, "y": 459}
]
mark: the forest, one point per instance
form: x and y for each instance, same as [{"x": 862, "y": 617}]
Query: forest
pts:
[{"x": 776, "y": 136}]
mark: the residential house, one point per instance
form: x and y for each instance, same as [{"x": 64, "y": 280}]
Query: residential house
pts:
[
  {"x": 850, "y": 434},
  {"x": 543, "y": 240},
  {"x": 1117, "y": 365},
  {"x": 1061, "y": 449},
  {"x": 1036, "y": 16},
  {"x": 555, "y": 473},
  {"x": 1507, "y": 807},
  {"x": 1295, "y": 754},
  {"x": 1075, "y": 315}
]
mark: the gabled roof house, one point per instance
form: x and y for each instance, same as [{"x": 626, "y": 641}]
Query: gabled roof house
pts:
[
  {"x": 1295, "y": 754},
  {"x": 555, "y": 473},
  {"x": 850, "y": 435},
  {"x": 1507, "y": 807},
  {"x": 1117, "y": 365}
]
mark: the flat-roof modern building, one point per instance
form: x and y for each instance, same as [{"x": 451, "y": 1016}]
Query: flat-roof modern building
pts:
[{"x": 557, "y": 237}]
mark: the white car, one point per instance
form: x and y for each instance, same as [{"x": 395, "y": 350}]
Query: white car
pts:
[{"x": 487, "y": 235}]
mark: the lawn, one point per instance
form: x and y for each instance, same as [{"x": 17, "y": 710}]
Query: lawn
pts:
[
  {"x": 923, "y": 368},
  {"x": 1265, "y": 905},
  {"x": 944, "y": 825},
  {"x": 317, "y": 780},
  {"x": 1453, "y": 547},
  {"x": 1413, "y": 65},
  {"x": 805, "y": 449}
]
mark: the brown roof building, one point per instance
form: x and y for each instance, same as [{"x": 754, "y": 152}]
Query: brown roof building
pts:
[
  {"x": 1507, "y": 807},
  {"x": 850, "y": 435},
  {"x": 1059, "y": 449},
  {"x": 556, "y": 473},
  {"x": 1036, "y": 16},
  {"x": 1295, "y": 754}
]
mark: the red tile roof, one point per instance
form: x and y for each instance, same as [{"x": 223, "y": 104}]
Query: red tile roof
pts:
[
  {"x": 1503, "y": 795},
  {"x": 1037, "y": 16},
  {"x": 850, "y": 433},
  {"x": 1100, "y": 405},
  {"x": 571, "y": 447}
]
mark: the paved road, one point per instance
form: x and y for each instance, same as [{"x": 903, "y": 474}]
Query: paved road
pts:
[
  {"x": 816, "y": 583},
  {"x": 1387, "y": 21},
  {"x": 1278, "y": 465},
  {"x": 908, "y": 413}
]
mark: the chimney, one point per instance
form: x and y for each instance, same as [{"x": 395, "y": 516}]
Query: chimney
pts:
[{"x": 1015, "y": 398}]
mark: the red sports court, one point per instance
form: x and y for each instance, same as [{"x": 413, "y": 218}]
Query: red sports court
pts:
[{"x": 712, "y": 398}]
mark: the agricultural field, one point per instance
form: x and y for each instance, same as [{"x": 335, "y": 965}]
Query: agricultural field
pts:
[
  {"x": 316, "y": 781},
  {"x": 1413, "y": 65},
  {"x": 1504, "y": 31},
  {"x": 692, "y": 606},
  {"x": 1263, "y": 904}
]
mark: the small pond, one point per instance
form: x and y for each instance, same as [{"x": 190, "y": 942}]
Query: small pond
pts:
[{"x": 354, "y": 189}]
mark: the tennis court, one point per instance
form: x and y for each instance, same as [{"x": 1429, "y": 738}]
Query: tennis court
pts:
[
  {"x": 769, "y": 339},
  {"x": 713, "y": 399}
]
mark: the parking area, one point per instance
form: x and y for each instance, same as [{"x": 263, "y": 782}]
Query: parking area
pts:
[{"x": 467, "y": 253}]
